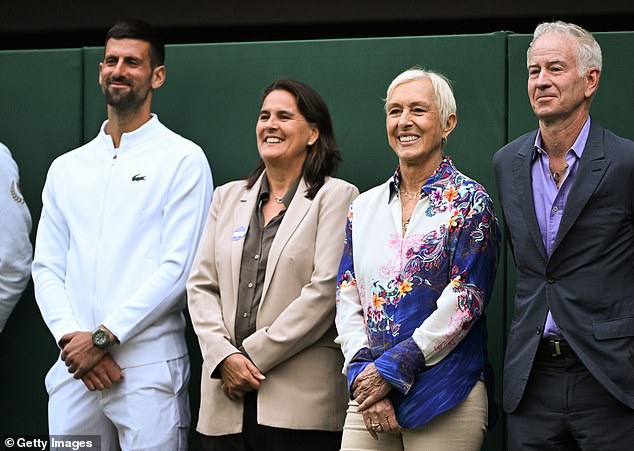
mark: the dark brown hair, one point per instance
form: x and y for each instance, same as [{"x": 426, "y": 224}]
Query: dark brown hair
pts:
[
  {"x": 324, "y": 155},
  {"x": 137, "y": 29}
]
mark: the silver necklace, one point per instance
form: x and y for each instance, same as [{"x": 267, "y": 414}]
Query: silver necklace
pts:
[
  {"x": 557, "y": 175},
  {"x": 407, "y": 195}
]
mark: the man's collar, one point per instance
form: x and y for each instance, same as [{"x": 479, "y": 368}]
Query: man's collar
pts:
[
  {"x": 134, "y": 137},
  {"x": 577, "y": 147}
]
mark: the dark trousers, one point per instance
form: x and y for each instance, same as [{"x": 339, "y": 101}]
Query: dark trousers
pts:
[
  {"x": 565, "y": 408},
  {"x": 255, "y": 437}
]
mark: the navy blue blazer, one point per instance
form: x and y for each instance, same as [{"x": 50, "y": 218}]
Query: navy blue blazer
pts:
[{"x": 588, "y": 281}]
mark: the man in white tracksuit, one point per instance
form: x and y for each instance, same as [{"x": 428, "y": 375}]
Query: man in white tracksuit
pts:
[
  {"x": 121, "y": 220},
  {"x": 15, "y": 246}
]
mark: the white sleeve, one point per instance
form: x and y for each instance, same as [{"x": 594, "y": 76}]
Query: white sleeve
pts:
[
  {"x": 49, "y": 264},
  {"x": 15, "y": 246}
]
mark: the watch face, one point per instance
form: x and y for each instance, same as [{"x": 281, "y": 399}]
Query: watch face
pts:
[{"x": 100, "y": 338}]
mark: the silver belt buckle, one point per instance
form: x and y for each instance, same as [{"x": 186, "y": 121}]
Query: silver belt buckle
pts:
[{"x": 557, "y": 348}]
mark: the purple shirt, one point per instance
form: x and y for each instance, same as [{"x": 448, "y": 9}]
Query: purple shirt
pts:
[{"x": 550, "y": 201}]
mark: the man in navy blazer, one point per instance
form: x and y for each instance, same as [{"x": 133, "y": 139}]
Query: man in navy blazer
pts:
[{"x": 567, "y": 194}]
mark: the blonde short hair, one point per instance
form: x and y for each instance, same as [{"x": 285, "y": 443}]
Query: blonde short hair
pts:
[{"x": 445, "y": 100}]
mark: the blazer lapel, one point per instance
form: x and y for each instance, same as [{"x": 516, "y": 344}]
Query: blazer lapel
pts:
[
  {"x": 524, "y": 189},
  {"x": 592, "y": 168},
  {"x": 292, "y": 219},
  {"x": 241, "y": 219}
]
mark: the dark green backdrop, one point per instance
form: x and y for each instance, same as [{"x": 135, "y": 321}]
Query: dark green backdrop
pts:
[{"x": 50, "y": 102}]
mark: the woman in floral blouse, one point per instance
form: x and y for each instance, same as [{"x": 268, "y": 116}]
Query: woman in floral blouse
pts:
[{"x": 416, "y": 275}]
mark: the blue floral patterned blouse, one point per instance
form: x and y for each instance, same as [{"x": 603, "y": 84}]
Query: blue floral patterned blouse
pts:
[{"x": 414, "y": 304}]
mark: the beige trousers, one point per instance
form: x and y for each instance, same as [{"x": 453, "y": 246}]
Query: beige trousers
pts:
[{"x": 461, "y": 428}]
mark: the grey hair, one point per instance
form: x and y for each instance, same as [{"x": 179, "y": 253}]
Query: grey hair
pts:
[
  {"x": 588, "y": 50},
  {"x": 445, "y": 100}
]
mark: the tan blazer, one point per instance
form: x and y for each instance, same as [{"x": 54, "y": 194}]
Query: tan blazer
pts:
[{"x": 294, "y": 342}]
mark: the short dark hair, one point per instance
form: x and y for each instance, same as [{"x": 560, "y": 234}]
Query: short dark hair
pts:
[
  {"x": 137, "y": 29},
  {"x": 324, "y": 155}
]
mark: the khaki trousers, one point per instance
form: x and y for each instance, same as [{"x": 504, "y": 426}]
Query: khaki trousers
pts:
[{"x": 461, "y": 428}]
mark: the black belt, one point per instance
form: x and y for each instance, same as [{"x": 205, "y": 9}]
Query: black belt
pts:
[{"x": 555, "y": 349}]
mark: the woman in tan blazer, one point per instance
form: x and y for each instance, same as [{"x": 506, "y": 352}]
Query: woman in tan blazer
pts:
[{"x": 262, "y": 288}]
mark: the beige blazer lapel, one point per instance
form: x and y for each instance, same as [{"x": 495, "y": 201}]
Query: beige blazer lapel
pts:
[
  {"x": 292, "y": 219},
  {"x": 241, "y": 218}
]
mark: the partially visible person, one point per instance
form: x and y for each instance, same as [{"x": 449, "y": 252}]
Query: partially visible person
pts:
[
  {"x": 121, "y": 220},
  {"x": 262, "y": 288},
  {"x": 15, "y": 246},
  {"x": 416, "y": 275},
  {"x": 567, "y": 192}
]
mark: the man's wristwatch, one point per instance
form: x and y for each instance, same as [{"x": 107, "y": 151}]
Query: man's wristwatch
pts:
[{"x": 101, "y": 338}]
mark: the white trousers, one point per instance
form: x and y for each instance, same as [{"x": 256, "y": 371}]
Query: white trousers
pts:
[
  {"x": 462, "y": 428},
  {"x": 148, "y": 410}
]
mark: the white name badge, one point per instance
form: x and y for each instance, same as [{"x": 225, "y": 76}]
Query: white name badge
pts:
[{"x": 239, "y": 233}]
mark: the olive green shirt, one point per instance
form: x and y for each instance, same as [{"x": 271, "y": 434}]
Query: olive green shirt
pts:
[{"x": 255, "y": 254}]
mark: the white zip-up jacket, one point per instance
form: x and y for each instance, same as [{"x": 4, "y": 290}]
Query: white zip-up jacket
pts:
[{"x": 116, "y": 240}]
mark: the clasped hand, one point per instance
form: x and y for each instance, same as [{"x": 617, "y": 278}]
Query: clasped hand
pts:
[
  {"x": 95, "y": 367},
  {"x": 105, "y": 373},
  {"x": 369, "y": 387},
  {"x": 369, "y": 390},
  {"x": 239, "y": 375}
]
